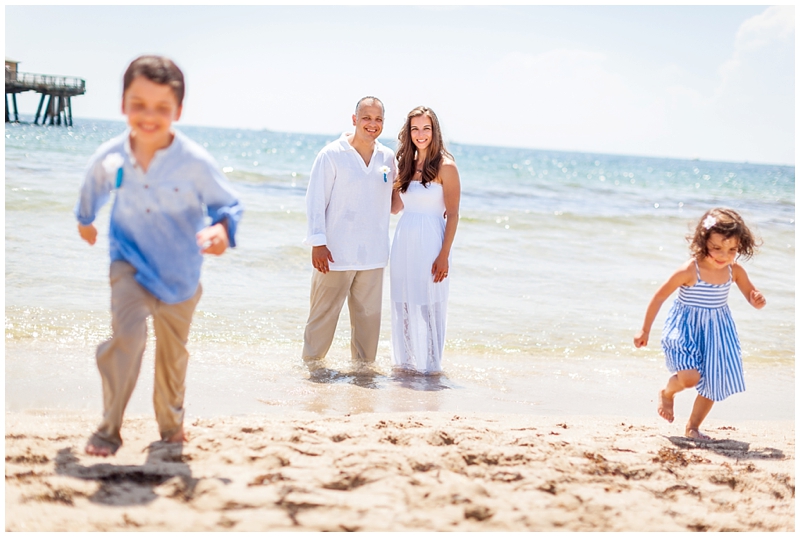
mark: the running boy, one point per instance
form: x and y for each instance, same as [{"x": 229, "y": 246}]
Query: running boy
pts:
[{"x": 166, "y": 189}]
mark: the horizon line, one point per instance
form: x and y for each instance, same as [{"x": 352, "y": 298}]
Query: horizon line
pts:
[{"x": 578, "y": 151}]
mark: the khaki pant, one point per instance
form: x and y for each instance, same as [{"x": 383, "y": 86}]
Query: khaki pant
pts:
[
  {"x": 120, "y": 358},
  {"x": 363, "y": 290}
]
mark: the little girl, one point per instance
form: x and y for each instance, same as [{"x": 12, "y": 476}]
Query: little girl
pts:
[{"x": 699, "y": 339}]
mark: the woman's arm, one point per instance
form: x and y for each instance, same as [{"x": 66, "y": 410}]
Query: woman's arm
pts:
[
  {"x": 451, "y": 184},
  {"x": 397, "y": 202}
]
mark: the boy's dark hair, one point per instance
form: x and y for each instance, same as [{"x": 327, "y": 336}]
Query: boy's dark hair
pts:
[
  {"x": 158, "y": 69},
  {"x": 727, "y": 223}
]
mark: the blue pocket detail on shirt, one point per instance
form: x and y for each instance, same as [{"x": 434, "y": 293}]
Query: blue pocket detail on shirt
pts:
[{"x": 118, "y": 182}]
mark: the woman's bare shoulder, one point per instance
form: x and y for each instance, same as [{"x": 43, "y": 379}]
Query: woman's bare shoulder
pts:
[
  {"x": 448, "y": 169},
  {"x": 448, "y": 162}
]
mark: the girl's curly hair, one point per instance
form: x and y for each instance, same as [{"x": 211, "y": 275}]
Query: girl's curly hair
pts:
[{"x": 727, "y": 223}]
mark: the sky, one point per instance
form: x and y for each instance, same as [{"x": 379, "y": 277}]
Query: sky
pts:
[{"x": 708, "y": 82}]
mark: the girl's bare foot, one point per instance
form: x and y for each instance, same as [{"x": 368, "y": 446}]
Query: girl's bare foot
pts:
[
  {"x": 696, "y": 434},
  {"x": 98, "y": 447},
  {"x": 97, "y": 451},
  {"x": 665, "y": 406},
  {"x": 178, "y": 438}
]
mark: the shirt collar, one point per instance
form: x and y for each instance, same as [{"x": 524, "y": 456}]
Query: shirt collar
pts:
[
  {"x": 176, "y": 140},
  {"x": 344, "y": 143},
  {"x": 347, "y": 147}
]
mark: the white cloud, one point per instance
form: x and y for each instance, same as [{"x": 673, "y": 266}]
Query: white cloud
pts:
[
  {"x": 774, "y": 26},
  {"x": 581, "y": 99},
  {"x": 755, "y": 96},
  {"x": 777, "y": 22}
]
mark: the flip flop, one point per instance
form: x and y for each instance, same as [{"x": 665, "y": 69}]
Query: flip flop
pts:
[{"x": 96, "y": 441}]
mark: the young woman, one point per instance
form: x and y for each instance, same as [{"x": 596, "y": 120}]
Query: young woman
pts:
[{"x": 428, "y": 191}]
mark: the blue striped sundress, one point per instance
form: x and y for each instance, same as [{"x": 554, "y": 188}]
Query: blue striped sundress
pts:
[{"x": 700, "y": 334}]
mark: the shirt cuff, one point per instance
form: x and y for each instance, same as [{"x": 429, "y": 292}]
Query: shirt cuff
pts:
[
  {"x": 316, "y": 240},
  {"x": 231, "y": 224},
  {"x": 84, "y": 220}
]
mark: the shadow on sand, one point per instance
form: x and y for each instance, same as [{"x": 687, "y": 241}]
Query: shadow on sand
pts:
[
  {"x": 734, "y": 449},
  {"x": 133, "y": 484}
]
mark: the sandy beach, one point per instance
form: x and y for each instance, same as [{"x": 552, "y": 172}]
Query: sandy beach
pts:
[{"x": 423, "y": 471}]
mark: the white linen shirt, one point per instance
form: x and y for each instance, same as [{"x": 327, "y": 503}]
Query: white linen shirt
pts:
[{"x": 349, "y": 203}]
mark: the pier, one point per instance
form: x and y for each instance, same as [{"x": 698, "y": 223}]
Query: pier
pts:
[{"x": 56, "y": 90}]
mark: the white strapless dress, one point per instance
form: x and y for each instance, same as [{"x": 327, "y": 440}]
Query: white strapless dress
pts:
[{"x": 419, "y": 306}]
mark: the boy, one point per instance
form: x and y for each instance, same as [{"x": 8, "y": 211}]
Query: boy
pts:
[{"x": 166, "y": 186}]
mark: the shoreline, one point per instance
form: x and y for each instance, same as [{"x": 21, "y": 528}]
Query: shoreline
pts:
[
  {"x": 229, "y": 380},
  {"x": 390, "y": 471}
]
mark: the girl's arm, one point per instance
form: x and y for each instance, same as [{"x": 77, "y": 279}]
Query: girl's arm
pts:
[
  {"x": 397, "y": 202},
  {"x": 753, "y": 295},
  {"x": 451, "y": 185},
  {"x": 683, "y": 276}
]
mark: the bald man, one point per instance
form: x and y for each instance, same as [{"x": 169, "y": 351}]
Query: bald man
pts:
[{"x": 348, "y": 206}]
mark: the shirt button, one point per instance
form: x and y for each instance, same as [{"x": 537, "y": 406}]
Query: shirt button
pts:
[
  {"x": 176, "y": 190},
  {"x": 147, "y": 186},
  {"x": 148, "y": 210}
]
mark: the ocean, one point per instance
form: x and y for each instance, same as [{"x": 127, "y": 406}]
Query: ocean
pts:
[{"x": 555, "y": 260}]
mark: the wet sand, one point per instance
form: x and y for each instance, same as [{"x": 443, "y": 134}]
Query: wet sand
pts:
[{"x": 423, "y": 471}]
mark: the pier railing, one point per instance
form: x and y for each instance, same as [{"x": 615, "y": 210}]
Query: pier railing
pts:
[{"x": 32, "y": 81}]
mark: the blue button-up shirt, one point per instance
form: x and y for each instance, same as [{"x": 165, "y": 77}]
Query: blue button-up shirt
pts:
[{"x": 157, "y": 214}]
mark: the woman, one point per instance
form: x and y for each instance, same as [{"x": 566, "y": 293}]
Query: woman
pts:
[{"x": 428, "y": 191}]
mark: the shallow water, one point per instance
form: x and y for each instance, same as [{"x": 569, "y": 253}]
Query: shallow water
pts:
[{"x": 555, "y": 260}]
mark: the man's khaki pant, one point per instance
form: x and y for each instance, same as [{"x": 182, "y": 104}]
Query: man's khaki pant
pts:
[
  {"x": 363, "y": 290},
  {"x": 120, "y": 358}
]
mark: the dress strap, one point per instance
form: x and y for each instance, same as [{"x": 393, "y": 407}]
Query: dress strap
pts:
[{"x": 697, "y": 270}]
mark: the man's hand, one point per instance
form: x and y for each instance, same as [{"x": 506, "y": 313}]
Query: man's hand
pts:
[
  {"x": 213, "y": 239},
  {"x": 320, "y": 256},
  {"x": 88, "y": 233}
]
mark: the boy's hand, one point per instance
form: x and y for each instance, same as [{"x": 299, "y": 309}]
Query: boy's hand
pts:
[
  {"x": 757, "y": 299},
  {"x": 641, "y": 339},
  {"x": 213, "y": 239},
  {"x": 88, "y": 233}
]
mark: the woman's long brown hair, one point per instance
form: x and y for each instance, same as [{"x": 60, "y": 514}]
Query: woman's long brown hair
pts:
[{"x": 407, "y": 152}]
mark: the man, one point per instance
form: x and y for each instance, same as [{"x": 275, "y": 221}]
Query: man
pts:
[{"x": 348, "y": 204}]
